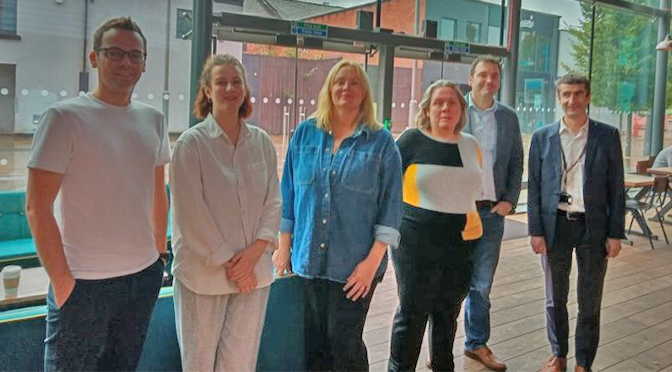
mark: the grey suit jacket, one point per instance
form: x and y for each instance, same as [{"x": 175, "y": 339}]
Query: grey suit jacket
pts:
[
  {"x": 664, "y": 158},
  {"x": 603, "y": 185},
  {"x": 508, "y": 167}
]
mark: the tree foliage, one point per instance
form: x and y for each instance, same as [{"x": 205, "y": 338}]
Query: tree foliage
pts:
[{"x": 623, "y": 57}]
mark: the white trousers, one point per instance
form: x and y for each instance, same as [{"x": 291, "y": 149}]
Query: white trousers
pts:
[{"x": 219, "y": 333}]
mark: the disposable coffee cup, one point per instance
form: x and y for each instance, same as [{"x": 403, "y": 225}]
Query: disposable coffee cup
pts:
[{"x": 10, "y": 279}]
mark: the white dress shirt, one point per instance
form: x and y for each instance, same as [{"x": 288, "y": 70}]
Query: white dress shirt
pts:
[
  {"x": 224, "y": 197},
  {"x": 484, "y": 128},
  {"x": 573, "y": 146}
]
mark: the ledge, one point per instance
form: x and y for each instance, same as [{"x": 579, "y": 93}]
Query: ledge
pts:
[{"x": 9, "y": 36}]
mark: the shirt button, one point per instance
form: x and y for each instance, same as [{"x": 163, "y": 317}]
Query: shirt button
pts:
[
  {"x": 326, "y": 195},
  {"x": 322, "y": 245},
  {"x": 324, "y": 221}
]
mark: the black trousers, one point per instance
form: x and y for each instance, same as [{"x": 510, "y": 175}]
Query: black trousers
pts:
[
  {"x": 592, "y": 266},
  {"x": 334, "y": 327},
  {"x": 433, "y": 274}
]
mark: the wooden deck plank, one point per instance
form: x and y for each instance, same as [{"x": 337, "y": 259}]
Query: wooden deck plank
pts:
[
  {"x": 636, "y": 313},
  {"x": 668, "y": 369},
  {"x": 656, "y": 358},
  {"x": 633, "y": 345}
]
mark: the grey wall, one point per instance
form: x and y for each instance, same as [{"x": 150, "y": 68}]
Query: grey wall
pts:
[{"x": 48, "y": 57}]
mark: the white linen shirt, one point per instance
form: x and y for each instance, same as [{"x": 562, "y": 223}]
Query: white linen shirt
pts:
[
  {"x": 224, "y": 197},
  {"x": 484, "y": 128},
  {"x": 573, "y": 146}
]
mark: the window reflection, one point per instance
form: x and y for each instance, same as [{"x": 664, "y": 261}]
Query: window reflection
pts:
[{"x": 473, "y": 32}]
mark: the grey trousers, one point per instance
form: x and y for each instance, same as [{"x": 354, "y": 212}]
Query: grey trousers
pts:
[{"x": 219, "y": 333}]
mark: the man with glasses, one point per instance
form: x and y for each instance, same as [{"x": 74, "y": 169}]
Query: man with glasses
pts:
[{"x": 97, "y": 207}]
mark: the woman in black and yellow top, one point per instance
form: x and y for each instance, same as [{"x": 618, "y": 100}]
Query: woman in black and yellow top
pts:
[{"x": 442, "y": 175}]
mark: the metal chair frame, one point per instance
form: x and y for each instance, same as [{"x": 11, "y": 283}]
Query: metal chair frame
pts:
[{"x": 655, "y": 199}]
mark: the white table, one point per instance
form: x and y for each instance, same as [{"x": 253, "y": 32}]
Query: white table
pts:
[{"x": 33, "y": 286}]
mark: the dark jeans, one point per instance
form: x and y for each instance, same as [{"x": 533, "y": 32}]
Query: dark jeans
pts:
[
  {"x": 103, "y": 324},
  {"x": 433, "y": 274},
  {"x": 592, "y": 264},
  {"x": 334, "y": 327}
]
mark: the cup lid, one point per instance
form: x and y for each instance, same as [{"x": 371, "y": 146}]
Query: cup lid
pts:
[{"x": 11, "y": 269}]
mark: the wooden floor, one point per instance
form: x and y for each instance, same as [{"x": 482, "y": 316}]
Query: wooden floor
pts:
[{"x": 636, "y": 333}]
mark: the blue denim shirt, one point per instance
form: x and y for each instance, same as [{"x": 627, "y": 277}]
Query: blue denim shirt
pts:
[{"x": 337, "y": 205}]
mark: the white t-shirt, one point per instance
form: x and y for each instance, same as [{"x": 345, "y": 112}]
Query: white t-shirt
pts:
[{"x": 107, "y": 155}]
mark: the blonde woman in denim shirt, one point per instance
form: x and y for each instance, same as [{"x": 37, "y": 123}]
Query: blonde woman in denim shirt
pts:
[{"x": 342, "y": 207}]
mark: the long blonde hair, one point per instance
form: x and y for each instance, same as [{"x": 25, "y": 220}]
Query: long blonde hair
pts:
[
  {"x": 422, "y": 119},
  {"x": 324, "y": 112}
]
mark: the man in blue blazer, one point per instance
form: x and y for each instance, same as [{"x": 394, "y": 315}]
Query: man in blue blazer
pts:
[
  {"x": 496, "y": 128},
  {"x": 576, "y": 202}
]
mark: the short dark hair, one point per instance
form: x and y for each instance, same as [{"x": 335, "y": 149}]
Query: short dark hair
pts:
[
  {"x": 487, "y": 58},
  {"x": 572, "y": 79},
  {"x": 121, "y": 23}
]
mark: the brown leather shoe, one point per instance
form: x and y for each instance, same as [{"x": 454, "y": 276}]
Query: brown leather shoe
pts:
[
  {"x": 581, "y": 369},
  {"x": 485, "y": 356},
  {"x": 555, "y": 364}
]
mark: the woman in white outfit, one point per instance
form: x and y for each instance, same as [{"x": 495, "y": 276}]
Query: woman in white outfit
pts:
[{"x": 226, "y": 204}]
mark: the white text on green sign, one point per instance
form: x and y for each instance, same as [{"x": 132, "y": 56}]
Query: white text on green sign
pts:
[
  {"x": 309, "y": 29},
  {"x": 456, "y": 47}
]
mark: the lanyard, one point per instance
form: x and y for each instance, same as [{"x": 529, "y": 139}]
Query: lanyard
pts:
[{"x": 570, "y": 168}]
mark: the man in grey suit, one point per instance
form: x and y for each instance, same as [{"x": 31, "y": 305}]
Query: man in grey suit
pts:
[
  {"x": 576, "y": 202},
  {"x": 496, "y": 128}
]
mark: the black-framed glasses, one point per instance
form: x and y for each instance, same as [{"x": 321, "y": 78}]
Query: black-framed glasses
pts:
[{"x": 116, "y": 54}]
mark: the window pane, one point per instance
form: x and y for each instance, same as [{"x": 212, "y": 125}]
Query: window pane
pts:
[
  {"x": 649, "y": 3},
  {"x": 473, "y": 32},
  {"x": 545, "y": 53},
  {"x": 623, "y": 66},
  {"x": 623, "y": 77},
  {"x": 8, "y": 11},
  {"x": 493, "y": 35},
  {"x": 447, "y": 29},
  {"x": 474, "y": 21}
]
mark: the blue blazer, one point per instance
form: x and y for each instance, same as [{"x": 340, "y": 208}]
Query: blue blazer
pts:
[
  {"x": 603, "y": 184},
  {"x": 508, "y": 167}
]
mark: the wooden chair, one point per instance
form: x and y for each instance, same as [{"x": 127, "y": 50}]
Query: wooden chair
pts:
[
  {"x": 643, "y": 165},
  {"x": 640, "y": 168}
]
